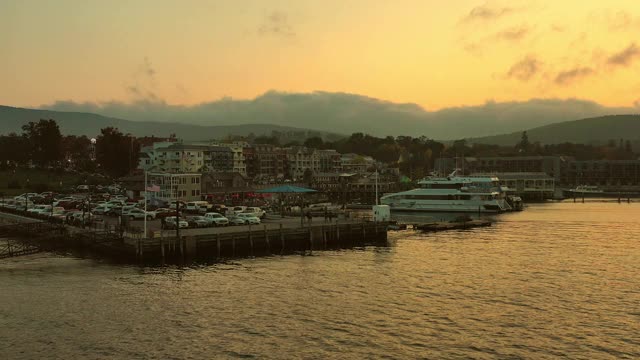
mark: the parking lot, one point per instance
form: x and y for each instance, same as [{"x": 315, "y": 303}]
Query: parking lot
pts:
[{"x": 272, "y": 221}]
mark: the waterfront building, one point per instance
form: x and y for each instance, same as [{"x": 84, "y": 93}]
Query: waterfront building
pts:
[
  {"x": 617, "y": 174},
  {"x": 179, "y": 157},
  {"x": 527, "y": 185},
  {"x": 175, "y": 186},
  {"x": 265, "y": 161},
  {"x": 217, "y": 158},
  {"x": 354, "y": 163},
  {"x": 330, "y": 161},
  {"x": 300, "y": 159},
  {"x": 221, "y": 182},
  {"x": 239, "y": 160},
  {"x": 551, "y": 165}
]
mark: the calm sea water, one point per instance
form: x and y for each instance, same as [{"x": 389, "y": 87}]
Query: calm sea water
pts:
[{"x": 556, "y": 280}]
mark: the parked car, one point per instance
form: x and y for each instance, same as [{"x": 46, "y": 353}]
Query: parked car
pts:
[
  {"x": 238, "y": 209},
  {"x": 235, "y": 220},
  {"x": 135, "y": 213},
  {"x": 216, "y": 219},
  {"x": 164, "y": 212},
  {"x": 170, "y": 223},
  {"x": 255, "y": 211},
  {"x": 39, "y": 209},
  {"x": 194, "y": 206},
  {"x": 172, "y": 204},
  {"x": 101, "y": 209},
  {"x": 197, "y": 221},
  {"x": 249, "y": 218}
]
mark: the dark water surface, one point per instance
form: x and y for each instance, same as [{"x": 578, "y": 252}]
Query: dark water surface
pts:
[{"x": 556, "y": 280}]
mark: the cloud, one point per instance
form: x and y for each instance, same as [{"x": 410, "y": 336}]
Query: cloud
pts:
[
  {"x": 510, "y": 35},
  {"x": 348, "y": 113},
  {"x": 486, "y": 13},
  {"x": 569, "y": 76},
  {"x": 621, "y": 21},
  {"x": 513, "y": 34},
  {"x": 276, "y": 24},
  {"x": 142, "y": 86},
  {"x": 147, "y": 69},
  {"x": 525, "y": 69},
  {"x": 625, "y": 57}
]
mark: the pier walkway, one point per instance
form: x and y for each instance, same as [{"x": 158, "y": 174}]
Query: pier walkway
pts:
[{"x": 275, "y": 236}]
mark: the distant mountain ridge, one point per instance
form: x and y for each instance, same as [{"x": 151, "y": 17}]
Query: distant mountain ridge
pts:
[
  {"x": 349, "y": 113},
  {"x": 89, "y": 124},
  {"x": 597, "y": 130}
]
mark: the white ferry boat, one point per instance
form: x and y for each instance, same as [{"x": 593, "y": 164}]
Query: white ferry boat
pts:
[
  {"x": 451, "y": 194},
  {"x": 584, "y": 191}
]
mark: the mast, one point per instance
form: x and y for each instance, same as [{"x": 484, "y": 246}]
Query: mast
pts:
[
  {"x": 145, "y": 203},
  {"x": 376, "y": 186}
]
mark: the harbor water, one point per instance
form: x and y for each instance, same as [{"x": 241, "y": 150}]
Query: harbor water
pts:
[{"x": 556, "y": 280}]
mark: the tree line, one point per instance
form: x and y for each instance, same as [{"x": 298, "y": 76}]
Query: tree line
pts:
[{"x": 41, "y": 144}]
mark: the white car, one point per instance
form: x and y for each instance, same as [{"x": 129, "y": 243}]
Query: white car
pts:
[
  {"x": 238, "y": 209},
  {"x": 255, "y": 211},
  {"x": 100, "y": 210},
  {"x": 170, "y": 223},
  {"x": 39, "y": 209},
  {"x": 25, "y": 196},
  {"x": 216, "y": 219},
  {"x": 249, "y": 218},
  {"x": 135, "y": 213},
  {"x": 194, "y": 206}
]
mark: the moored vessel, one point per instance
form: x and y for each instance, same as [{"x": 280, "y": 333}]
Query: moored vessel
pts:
[{"x": 451, "y": 194}]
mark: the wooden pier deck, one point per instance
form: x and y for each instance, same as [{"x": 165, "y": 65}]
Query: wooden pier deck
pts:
[
  {"x": 197, "y": 245},
  {"x": 459, "y": 225}
]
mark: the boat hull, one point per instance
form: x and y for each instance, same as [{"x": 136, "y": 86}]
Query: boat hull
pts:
[
  {"x": 570, "y": 194},
  {"x": 454, "y": 208}
]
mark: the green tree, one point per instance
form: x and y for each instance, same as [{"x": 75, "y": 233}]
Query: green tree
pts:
[
  {"x": 14, "y": 150},
  {"x": 307, "y": 177},
  {"x": 45, "y": 142},
  {"x": 524, "y": 144},
  {"x": 116, "y": 153}
]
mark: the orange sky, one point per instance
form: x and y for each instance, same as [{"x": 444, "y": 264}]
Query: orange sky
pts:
[{"x": 433, "y": 53}]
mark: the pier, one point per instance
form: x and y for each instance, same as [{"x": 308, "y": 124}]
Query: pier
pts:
[{"x": 278, "y": 237}]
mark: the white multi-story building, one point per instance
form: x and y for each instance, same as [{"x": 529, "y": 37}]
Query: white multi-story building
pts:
[
  {"x": 239, "y": 160},
  {"x": 301, "y": 159},
  {"x": 181, "y": 158},
  {"x": 354, "y": 163},
  {"x": 172, "y": 186}
]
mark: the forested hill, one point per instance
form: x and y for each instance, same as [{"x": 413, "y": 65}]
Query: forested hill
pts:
[
  {"x": 597, "y": 130},
  {"x": 79, "y": 123}
]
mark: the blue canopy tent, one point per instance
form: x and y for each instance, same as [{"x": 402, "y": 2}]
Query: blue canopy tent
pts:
[
  {"x": 288, "y": 189},
  {"x": 285, "y": 189}
]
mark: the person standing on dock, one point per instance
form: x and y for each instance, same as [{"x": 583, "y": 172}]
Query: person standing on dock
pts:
[{"x": 326, "y": 214}]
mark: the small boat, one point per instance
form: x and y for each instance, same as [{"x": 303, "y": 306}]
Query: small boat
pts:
[{"x": 583, "y": 191}]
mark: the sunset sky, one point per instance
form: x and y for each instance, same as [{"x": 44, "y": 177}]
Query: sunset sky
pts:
[{"x": 433, "y": 53}]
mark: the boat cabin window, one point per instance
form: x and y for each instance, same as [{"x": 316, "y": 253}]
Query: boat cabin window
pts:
[{"x": 442, "y": 186}]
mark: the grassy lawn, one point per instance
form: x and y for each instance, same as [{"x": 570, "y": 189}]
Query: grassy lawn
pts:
[{"x": 38, "y": 180}]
